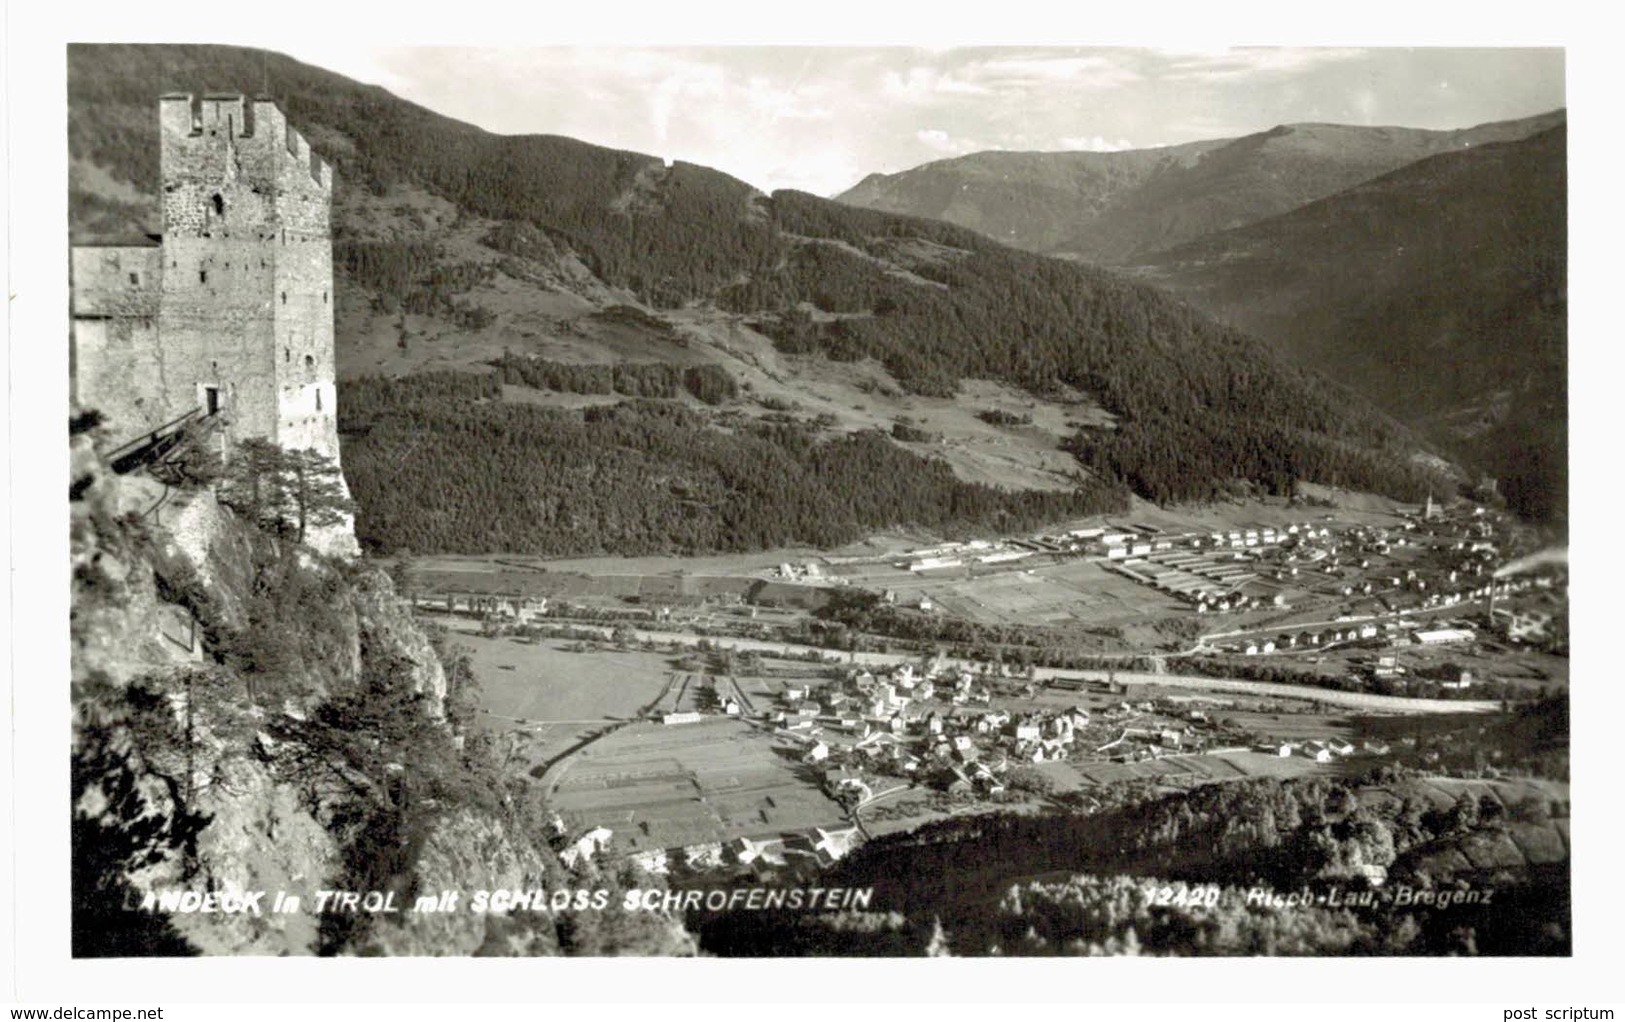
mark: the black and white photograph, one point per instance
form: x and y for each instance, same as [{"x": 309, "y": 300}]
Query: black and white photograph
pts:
[{"x": 840, "y": 500}]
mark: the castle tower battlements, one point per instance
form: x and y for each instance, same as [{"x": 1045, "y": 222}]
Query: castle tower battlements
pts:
[
  {"x": 233, "y": 313},
  {"x": 221, "y": 140}
]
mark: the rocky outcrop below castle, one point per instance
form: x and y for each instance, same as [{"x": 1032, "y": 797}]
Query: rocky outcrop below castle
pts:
[{"x": 251, "y": 717}]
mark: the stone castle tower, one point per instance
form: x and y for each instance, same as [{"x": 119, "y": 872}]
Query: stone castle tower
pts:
[{"x": 230, "y": 310}]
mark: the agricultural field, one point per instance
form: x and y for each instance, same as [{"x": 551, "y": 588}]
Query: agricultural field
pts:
[
  {"x": 664, "y": 786},
  {"x": 1075, "y": 591},
  {"x": 542, "y": 680},
  {"x": 552, "y": 698},
  {"x": 1181, "y": 770},
  {"x": 557, "y": 698},
  {"x": 504, "y": 577},
  {"x": 920, "y": 806},
  {"x": 1291, "y": 727}
]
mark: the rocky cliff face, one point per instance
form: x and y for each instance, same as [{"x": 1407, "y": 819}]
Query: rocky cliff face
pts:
[
  {"x": 249, "y": 717},
  {"x": 386, "y": 629}
]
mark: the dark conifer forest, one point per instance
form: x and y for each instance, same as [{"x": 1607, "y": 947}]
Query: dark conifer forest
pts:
[{"x": 440, "y": 463}]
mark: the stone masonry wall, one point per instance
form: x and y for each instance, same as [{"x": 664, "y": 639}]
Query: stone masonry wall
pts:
[
  {"x": 246, "y": 235},
  {"x": 239, "y": 298},
  {"x": 117, "y": 364}
]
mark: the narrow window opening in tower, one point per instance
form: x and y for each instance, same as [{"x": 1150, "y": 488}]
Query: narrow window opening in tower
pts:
[
  {"x": 310, "y": 363},
  {"x": 318, "y": 399},
  {"x": 324, "y": 297},
  {"x": 219, "y": 204},
  {"x": 211, "y": 399},
  {"x": 287, "y": 354},
  {"x": 284, "y": 298},
  {"x": 135, "y": 278},
  {"x": 203, "y": 276}
]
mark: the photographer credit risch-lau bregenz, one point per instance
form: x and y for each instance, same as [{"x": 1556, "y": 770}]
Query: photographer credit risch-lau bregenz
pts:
[{"x": 1117, "y": 528}]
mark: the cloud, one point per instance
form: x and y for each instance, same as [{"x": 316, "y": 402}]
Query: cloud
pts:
[
  {"x": 1094, "y": 144},
  {"x": 1097, "y": 71},
  {"x": 1251, "y": 61},
  {"x": 926, "y": 84},
  {"x": 786, "y": 103},
  {"x": 940, "y": 141},
  {"x": 1364, "y": 102}
]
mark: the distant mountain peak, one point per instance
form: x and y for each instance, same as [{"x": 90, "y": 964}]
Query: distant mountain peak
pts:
[{"x": 1115, "y": 207}]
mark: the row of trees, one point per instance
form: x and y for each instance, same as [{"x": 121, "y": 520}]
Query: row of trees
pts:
[
  {"x": 415, "y": 277},
  {"x": 709, "y": 383},
  {"x": 288, "y": 492}
]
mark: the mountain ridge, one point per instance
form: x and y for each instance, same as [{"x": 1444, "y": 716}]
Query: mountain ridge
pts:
[{"x": 1181, "y": 192}]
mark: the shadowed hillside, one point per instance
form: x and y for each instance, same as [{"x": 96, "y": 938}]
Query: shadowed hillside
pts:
[
  {"x": 1035, "y": 201},
  {"x": 1439, "y": 290}
]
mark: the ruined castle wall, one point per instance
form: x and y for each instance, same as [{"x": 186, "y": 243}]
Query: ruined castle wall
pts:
[
  {"x": 115, "y": 360},
  {"x": 216, "y": 325},
  {"x": 306, "y": 371},
  {"x": 115, "y": 280},
  {"x": 305, "y": 387},
  {"x": 248, "y": 297},
  {"x": 235, "y": 310}
]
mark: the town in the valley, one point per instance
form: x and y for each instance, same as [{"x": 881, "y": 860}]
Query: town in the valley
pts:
[{"x": 708, "y": 716}]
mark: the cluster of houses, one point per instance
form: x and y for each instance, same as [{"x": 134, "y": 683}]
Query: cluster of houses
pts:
[
  {"x": 813, "y": 847},
  {"x": 976, "y": 551},
  {"x": 1111, "y": 542},
  {"x": 579, "y": 846},
  {"x": 864, "y": 702},
  {"x": 807, "y": 572},
  {"x": 911, "y": 724},
  {"x": 1207, "y": 583},
  {"x": 968, "y": 751},
  {"x": 869, "y": 734},
  {"x": 1325, "y": 750},
  {"x": 1388, "y": 633},
  {"x": 1319, "y": 750},
  {"x": 1398, "y": 633},
  {"x": 1210, "y": 572},
  {"x": 518, "y": 609}
]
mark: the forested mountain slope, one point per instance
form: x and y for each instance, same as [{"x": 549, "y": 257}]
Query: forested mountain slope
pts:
[
  {"x": 1116, "y": 207},
  {"x": 1439, "y": 290},
  {"x": 1190, "y": 406}
]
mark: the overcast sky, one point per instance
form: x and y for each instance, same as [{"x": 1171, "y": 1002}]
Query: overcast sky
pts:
[{"x": 820, "y": 118}]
